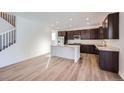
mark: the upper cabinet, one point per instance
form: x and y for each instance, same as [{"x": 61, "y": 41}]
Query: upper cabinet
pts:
[
  {"x": 85, "y": 34},
  {"x": 101, "y": 33},
  {"x": 94, "y": 33},
  {"x": 90, "y": 34},
  {"x": 108, "y": 30},
  {"x": 62, "y": 33},
  {"x": 111, "y": 26},
  {"x": 77, "y": 32},
  {"x": 70, "y": 35}
]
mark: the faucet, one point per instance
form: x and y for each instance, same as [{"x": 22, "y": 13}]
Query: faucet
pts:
[{"x": 104, "y": 43}]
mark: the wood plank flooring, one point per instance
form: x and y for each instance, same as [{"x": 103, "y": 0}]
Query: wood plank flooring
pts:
[{"x": 59, "y": 69}]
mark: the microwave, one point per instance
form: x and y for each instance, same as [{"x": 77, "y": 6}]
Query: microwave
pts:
[{"x": 76, "y": 36}]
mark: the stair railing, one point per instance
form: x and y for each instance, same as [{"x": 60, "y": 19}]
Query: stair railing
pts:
[
  {"x": 7, "y": 39},
  {"x": 9, "y": 18}
]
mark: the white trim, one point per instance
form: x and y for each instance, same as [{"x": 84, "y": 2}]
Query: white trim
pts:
[
  {"x": 25, "y": 59},
  {"x": 121, "y": 75},
  {"x": 7, "y": 31}
]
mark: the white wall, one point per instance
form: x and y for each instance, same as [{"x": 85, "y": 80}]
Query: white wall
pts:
[
  {"x": 120, "y": 44},
  {"x": 33, "y": 39},
  {"x": 5, "y": 26}
]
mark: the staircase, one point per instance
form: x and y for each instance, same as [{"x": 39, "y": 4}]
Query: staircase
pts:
[
  {"x": 9, "y": 18},
  {"x": 8, "y": 38}
]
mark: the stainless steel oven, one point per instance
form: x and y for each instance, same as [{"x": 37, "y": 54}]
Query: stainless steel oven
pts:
[{"x": 77, "y": 36}]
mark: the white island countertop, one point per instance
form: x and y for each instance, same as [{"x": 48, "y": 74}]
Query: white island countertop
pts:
[
  {"x": 71, "y": 46},
  {"x": 66, "y": 51}
]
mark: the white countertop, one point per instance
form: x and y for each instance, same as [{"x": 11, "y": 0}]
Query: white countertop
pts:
[
  {"x": 101, "y": 47},
  {"x": 71, "y": 46},
  {"x": 107, "y": 48}
]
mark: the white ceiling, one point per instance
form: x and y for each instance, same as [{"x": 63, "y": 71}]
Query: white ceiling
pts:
[{"x": 65, "y": 20}]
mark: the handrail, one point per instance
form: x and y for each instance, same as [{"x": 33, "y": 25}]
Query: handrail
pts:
[
  {"x": 7, "y": 39},
  {"x": 7, "y": 31},
  {"x": 9, "y": 18}
]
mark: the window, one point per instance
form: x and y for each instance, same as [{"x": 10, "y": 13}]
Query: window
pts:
[{"x": 53, "y": 36}]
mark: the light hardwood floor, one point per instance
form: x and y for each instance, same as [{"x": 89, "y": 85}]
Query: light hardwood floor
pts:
[{"x": 58, "y": 69}]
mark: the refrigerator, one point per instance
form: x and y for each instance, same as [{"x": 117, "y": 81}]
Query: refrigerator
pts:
[{"x": 61, "y": 40}]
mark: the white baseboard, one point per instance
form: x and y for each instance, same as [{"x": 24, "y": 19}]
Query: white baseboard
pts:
[
  {"x": 121, "y": 75},
  {"x": 24, "y": 59}
]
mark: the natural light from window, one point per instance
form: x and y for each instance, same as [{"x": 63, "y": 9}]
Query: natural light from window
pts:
[{"x": 53, "y": 36}]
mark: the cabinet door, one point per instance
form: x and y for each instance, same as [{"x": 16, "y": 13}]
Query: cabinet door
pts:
[
  {"x": 113, "y": 26},
  {"x": 91, "y": 49},
  {"x": 77, "y": 32},
  {"x": 88, "y": 49},
  {"x": 109, "y": 60},
  {"x": 105, "y": 28},
  {"x": 83, "y": 34},
  {"x": 62, "y": 33},
  {"x": 94, "y": 33},
  {"x": 83, "y": 49},
  {"x": 70, "y": 35},
  {"x": 101, "y": 33},
  {"x": 59, "y": 34},
  {"x": 87, "y": 34}
]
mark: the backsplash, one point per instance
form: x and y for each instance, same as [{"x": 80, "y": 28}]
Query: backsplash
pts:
[
  {"x": 96, "y": 42},
  {"x": 113, "y": 43}
]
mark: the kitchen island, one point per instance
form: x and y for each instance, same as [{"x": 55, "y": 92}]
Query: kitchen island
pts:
[{"x": 66, "y": 51}]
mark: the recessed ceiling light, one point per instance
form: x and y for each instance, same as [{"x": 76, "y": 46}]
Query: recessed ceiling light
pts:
[
  {"x": 52, "y": 30},
  {"x": 88, "y": 23},
  {"x": 87, "y": 18},
  {"x": 57, "y": 27},
  {"x": 57, "y": 22},
  {"x": 70, "y": 19},
  {"x": 52, "y": 25},
  {"x": 70, "y": 25}
]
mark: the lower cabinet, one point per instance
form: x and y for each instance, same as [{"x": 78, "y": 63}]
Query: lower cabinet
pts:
[
  {"x": 87, "y": 49},
  {"x": 109, "y": 60}
]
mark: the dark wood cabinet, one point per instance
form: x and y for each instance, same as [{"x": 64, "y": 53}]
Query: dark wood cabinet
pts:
[
  {"x": 101, "y": 33},
  {"x": 87, "y": 49},
  {"x": 83, "y": 34},
  {"x": 83, "y": 49},
  {"x": 113, "y": 22},
  {"x": 111, "y": 26},
  {"x": 70, "y": 35},
  {"x": 94, "y": 33},
  {"x": 89, "y": 34},
  {"x": 77, "y": 32},
  {"x": 62, "y": 33},
  {"x": 109, "y": 60},
  {"x": 108, "y": 30},
  {"x": 105, "y": 28}
]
